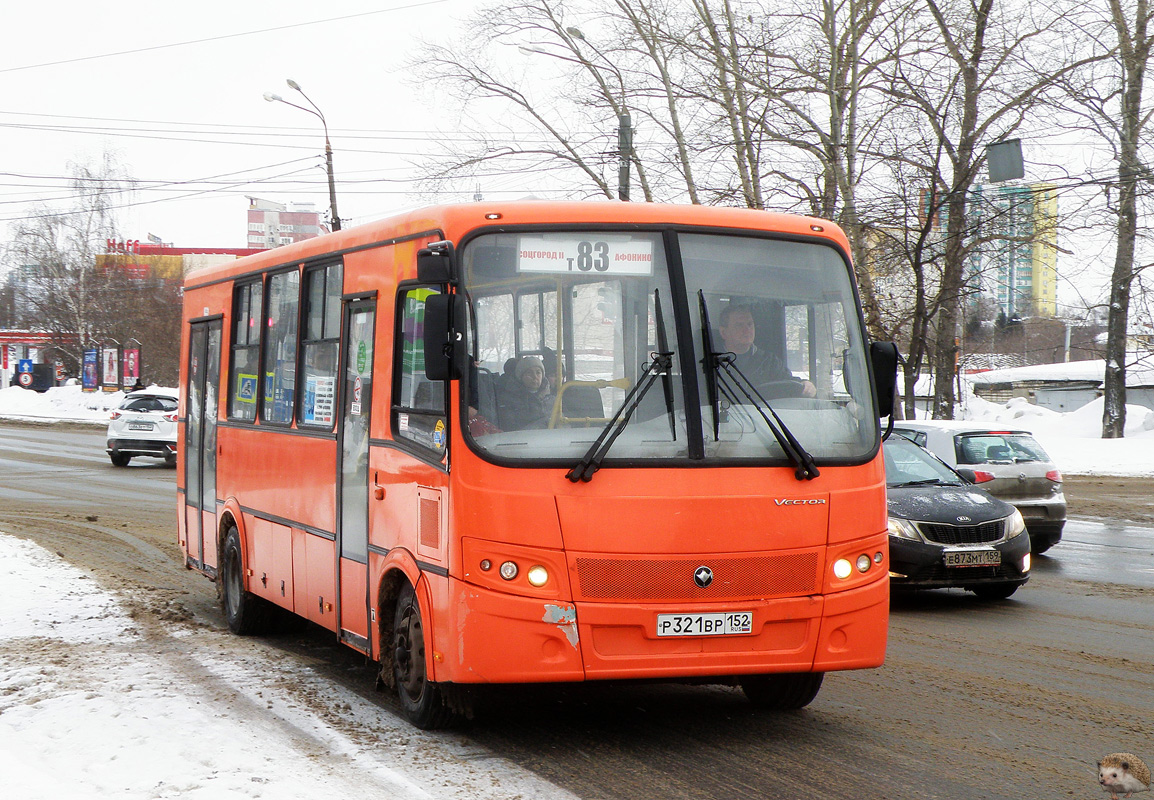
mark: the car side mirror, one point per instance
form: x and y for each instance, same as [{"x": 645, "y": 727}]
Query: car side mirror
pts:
[
  {"x": 968, "y": 474},
  {"x": 884, "y": 360},
  {"x": 444, "y": 337}
]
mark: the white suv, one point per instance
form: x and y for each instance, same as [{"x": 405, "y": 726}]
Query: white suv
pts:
[{"x": 144, "y": 425}]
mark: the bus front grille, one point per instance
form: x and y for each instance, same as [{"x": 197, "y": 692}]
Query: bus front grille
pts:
[{"x": 733, "y": 577}]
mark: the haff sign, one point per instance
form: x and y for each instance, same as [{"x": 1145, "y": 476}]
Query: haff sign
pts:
[{"x": 122, "y": 246}]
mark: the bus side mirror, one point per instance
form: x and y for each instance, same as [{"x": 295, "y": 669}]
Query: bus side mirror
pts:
[
  {"x": 884, "y": 360},
  {"x": 444, "y": 337},
  {"x": 435, "y": 263}
]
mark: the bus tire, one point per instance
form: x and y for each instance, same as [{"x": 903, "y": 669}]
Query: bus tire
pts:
[
  {"x": 421, "y": 699},
  {"x": 782, "y": 692},
  {"x": 246, "y": 614}
]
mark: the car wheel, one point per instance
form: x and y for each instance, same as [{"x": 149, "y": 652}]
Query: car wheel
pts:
[
  {"x": 245, "y": 613},
  {"x": 119, "y": 459},
  {"x": 782, "y": 692},
  {"x": 995, "y": 592},
  {"x": 170, "y": 461},
  {"x": 421, "y": 699}
]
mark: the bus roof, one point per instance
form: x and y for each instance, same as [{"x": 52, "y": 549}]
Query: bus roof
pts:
[{"x": 453, "y": 221}]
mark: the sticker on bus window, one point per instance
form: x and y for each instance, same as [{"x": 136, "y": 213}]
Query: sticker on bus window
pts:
[
  {"x": 245, "y": 388},
  {"x": 320, "y": 395},
  {"x": 597, "y": 254}
]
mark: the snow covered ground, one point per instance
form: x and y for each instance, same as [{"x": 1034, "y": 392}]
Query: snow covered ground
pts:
[{"x": 95, "y": 705}]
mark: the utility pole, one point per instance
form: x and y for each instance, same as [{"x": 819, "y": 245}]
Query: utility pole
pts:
[{"x": 624, "y": 153}]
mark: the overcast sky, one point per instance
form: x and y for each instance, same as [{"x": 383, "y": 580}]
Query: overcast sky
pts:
[
  {"x": 175, "y": 92},
  {"x": 191, "y": 108}
]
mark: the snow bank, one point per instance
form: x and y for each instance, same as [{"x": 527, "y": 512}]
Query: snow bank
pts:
[
  {"x": 59, "y": 404},
  {"x": 1073, "y": 439},
  {"x": 94, "y": 706}
]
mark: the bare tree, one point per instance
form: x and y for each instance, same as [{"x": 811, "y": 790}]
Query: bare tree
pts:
[
  {"x": 63, "y": 292},
  {"x": 1125, "y": 114},
  {"x": 978, "y": 71}
]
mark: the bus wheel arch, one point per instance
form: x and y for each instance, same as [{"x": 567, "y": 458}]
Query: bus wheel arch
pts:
[
  {"x": 387, "y": 595},
  {"x": 245, "y": 613},
  {"x": 420, "y": 696}
]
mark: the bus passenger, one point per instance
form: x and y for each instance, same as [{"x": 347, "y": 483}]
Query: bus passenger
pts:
[
  {"x": 759, "y": 366},
  {"x": 526, "y": 401}
]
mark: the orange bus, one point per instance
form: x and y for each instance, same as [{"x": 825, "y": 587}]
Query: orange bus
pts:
[{"x": 503, "y": 443}]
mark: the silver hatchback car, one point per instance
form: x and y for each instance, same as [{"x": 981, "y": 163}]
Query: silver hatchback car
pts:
[
  {"x": 1007, "y": 463},
  {"x": 144, "y": 425}
]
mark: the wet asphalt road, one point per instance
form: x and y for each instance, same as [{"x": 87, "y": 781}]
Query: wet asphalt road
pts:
[{"x": 1012, "y": 699}]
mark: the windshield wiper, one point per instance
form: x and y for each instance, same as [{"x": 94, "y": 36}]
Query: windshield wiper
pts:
[
  {"x": 733, "y": 380},
  {"x": 660, "y": 364},
  {"x": 926, "y": 482}
]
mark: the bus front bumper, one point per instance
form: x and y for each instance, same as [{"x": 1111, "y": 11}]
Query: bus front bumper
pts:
[{"x": 513, "y": 639}]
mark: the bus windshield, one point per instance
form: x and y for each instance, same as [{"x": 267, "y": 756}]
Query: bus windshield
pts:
[{"x": 760, "y": 332}]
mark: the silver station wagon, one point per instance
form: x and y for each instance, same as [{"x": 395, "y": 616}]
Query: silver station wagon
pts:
[{"x": 1007, "y": 463}]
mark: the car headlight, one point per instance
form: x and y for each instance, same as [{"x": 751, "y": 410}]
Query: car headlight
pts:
[
  {"x": 1015, "y": 525},
  {"x": 904, "y": 529}
]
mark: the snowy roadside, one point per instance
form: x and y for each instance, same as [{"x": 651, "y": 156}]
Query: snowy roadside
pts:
[{"x": 95, "y": 704}]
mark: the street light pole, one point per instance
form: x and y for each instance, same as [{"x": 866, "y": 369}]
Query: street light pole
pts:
[
  {"x": 316, "y": 112},
  {"x": 624, "y": 121}
]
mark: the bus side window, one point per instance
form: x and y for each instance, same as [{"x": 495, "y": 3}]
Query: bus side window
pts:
[
  {"x": 419, "y": 413},
  {"x": 280, "y": 352},
  {"x": 320, "y": 347},
  {"x": 245, "y": 367}
]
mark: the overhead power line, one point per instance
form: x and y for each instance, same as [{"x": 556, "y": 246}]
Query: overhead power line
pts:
[{"x": 222, "y": 37}]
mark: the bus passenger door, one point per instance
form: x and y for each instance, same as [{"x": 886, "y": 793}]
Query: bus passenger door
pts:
[
  {"x": 200, "y": 441},
  {"x": 353, "y": 473}
]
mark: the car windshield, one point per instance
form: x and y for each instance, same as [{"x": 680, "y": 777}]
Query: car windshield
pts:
[
  {"x": 566, "y": 327},
  {"x": 996, "y": 447},
  {"x": 907, "y": 464},
  {"x": 149, "y": 404}
]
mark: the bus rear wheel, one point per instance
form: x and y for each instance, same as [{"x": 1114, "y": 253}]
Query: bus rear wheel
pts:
[
  {"x": 421, "y": 699},
  {"x": 246, "y": 614},
  {"x": 782, "y": 692}
]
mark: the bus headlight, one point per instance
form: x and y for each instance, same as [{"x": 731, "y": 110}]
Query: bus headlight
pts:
[
  {"x": 863, "y": 563},
  {"x": 842, "y": 569},
  {"x": 509, "y": 570},
  {"x": 537, "y": 575}
]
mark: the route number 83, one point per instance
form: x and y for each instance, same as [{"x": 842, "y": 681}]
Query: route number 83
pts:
[{"x": 591, "y": 256}]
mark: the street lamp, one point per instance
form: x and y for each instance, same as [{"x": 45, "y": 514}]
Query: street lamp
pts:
[
  {"x": 316, "y": 112},
  {"x": 624, "y": 121}
]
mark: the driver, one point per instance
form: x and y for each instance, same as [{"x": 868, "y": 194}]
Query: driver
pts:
[{"x": 760, "y": 366}]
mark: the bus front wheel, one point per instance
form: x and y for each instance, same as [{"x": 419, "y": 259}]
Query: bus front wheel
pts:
[
  {"x": 421, "y": 699},
  {"x": 245, "y": 613},
  {"x": 782, "y": 692}
]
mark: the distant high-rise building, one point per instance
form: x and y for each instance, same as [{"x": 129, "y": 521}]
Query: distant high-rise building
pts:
[
  {"x": 273, "y": 224},
  {"x": 1015, "y": 260}
]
